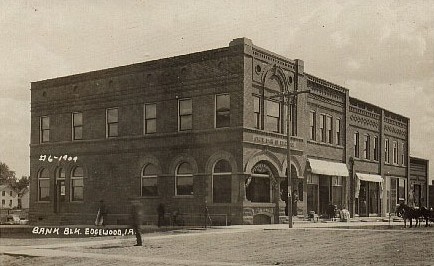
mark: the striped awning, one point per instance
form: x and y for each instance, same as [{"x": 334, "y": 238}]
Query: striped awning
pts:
[{"x": 321, "y": 167}]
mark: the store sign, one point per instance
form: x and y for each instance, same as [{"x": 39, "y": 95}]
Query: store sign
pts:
[
  {"x": 49, "y": 158},
  {"x": 271, "y": 141}
]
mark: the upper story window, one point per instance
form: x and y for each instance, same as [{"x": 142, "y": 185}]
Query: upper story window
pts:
[
  {"x": 312, "y": 125},
  {"x": 185, "y": 114},
  {"x": 386, "y": 151},
  {"x": 338, "y": 131},
  {"x": 184, "y": 180},
  {"x": 329, "y": 129},
  {"x": 257, "y": 111},
  {"x": 150, "y": 115},
  {"x": 44, "y": 129},
  {"x": 77, "y": 126},
  {"x": 395, "y": 152},
  {"x": 272, "y": 122},
  {"x": 10, "y": 193},
  {"x": 112, "y": 117},
  {"x": 77, "y": 185},
  {"x": 356, "y": 145},
  {"x": 367, "y": 147},
  {"x": 376, "y": 148},
  {"x": 149, "y": 181},
  {"x": 221, "y": 182},
  {"x": 403, "y": 154},
  {"x": 43, "y": 185},
  {"x": 323, "y": 127},
  {"x": 3, "y": 193},
  {"x": 222, "y": 110}
]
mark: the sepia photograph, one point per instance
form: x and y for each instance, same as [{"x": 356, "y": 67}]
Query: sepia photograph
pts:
[{"x": 216, "y": 132}]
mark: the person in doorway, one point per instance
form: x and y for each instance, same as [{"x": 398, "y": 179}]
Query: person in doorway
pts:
[
  {"x": 101, "y": 215},
  {"x": 136, "y": 221},
  {"x": 160, "y": 211},
  {"x": 294, "y": 202}
]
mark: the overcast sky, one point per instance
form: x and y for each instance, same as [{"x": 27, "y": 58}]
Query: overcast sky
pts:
[{"x": 383, "y": 52}]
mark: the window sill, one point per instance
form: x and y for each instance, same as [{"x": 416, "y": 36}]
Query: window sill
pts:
[
  {"x": 43, "y": 202},
  {"x": 149, "y": 197},
  {"x": 184, "y": 196},
  {"x": 325, "y": 144}
]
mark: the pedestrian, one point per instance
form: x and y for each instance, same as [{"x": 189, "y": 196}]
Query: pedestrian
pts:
[
  {"x": 136, "y": 221},
  {"x": 294, "y": 202},
  {"x": 101, "y": 214},
  {"x": 160, "y": 211}
]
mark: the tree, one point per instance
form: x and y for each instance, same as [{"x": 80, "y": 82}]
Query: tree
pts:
[
  {"x": 22, "y": 183},
  {"x": 7, "y": 176}
]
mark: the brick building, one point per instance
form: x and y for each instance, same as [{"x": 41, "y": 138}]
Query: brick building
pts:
[
  {"x": 419, "y": 182},
  {"x": 204, "y": 129}
]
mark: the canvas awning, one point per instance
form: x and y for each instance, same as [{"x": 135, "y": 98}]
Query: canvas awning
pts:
[
  {"x": 321, "y": 167},
  {"x": 370, "y": 177}
]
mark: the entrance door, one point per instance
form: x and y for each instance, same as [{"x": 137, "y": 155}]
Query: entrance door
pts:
[
  {"x": 417, "y": 195},
  {"x": 363, "y": 198},
  {"x": 324, "y": 194},
  {"x": 312, "y": 198}
]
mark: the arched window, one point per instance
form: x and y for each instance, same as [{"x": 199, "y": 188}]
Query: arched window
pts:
[
  {"x": 184, "y": 179},
  {"x": 77, "y": 184},
  {"x": 222, "y": 182},
  {"x": 44, "y": 185},
  {"x": 60, "y": 184},
  {"x": 149, "y": 181}
]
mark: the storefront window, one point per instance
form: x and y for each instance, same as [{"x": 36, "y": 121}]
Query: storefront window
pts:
[
  {"x": 44, "y": 185},
  {"x": 149, "y": 181},
  {"x": 222, "y": 187},
  {"x": 184, "y": 180}
]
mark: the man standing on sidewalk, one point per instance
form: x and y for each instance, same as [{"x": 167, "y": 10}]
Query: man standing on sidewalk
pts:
[{"x": 136, "y": 221}]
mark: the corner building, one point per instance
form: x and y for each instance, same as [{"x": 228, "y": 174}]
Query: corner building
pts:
[{"x": 207, "y": 130}]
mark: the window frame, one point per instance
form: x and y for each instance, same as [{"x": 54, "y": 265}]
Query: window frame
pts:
[
  {"x": 45, "y": 179},
  {"x": 147, "y": 119},
  {"x": 217, "y": 113},
  {"x": 257, "y": 113},
  {"x": 312, "y": 125},
  {"x": 367, "y": 147},
  {"x": 329, "y": 129},
  {"x": 386, "y": 150},
  {"x": 42, "y": 129},
  {"x": 181, "y": 116},
  {"x": 153, "y": 177},
  {"x": 403, "y": 154},
  {"x": 323, "y": 128},
  {"x": 356, "y": 140},
  {"x": 73, "y": 187},
  {"x": 338, "y": 131},
  {"x": 376, "y": 148},
  {"x": 216, "y": 175},
  {"x": 74, "y": 126},
  {"x": 269, "y": 117},
  {"x": 395, "y": 152},
  {"x": 109, "y": 123},
  {"x": 190, "y": 175}
]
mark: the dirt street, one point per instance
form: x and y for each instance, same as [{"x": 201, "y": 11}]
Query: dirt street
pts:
[{"x": 298, "y": 246}]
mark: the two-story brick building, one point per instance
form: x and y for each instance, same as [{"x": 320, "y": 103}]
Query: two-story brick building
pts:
[{"x": 205, "y": 129}]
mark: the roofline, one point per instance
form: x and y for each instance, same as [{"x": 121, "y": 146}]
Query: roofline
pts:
[
  {"x": 418, "y": 158},
  {"x": 408, "y": 118}
]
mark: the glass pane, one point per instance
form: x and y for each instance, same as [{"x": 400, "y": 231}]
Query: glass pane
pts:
[
  {"x": 45, "y": 122},
  {"x": 223, "y": 102},
  {"x": 78, "y": 119},
  {"x": 272, "y": 124},
  {"x": 46, "y": 135},
  {"x": 273, "y": 109},
  {"x": 78, "y": 132},
  {"x": 150, "y": 111},
  {"x": 184, "y": 180},
  {"x": 223, "y": 119},
  {"x": 151, "y": 126},
  {"x": 150, "y": 169},
  {"x": 256, "y": 105},
  {"x": 186, "y": 122},
  {"x": 44, "y": 173},
  {"x": 149, "y": 191},
  {"x": 222, "y": 166},
  {"x": 185, "y": 107},
  {"x": 60, "y": 173},
  {"x": 149, "y": 181},
  {"x": 184, "y": 168},
  {"x": 112, "y": 130},
  {"x": 77, "y": 182},
  {"x": 112, "y": 115},
  {"x": 77, "y": 172},
  {"x": 77, "y": 194}
]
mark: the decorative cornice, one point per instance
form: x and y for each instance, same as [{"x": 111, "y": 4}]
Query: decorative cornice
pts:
[
  {"x": 364, "y": 121},
  {"x": 269, "y": 57},
  {"x": 364, "y": 112},
  {"x": 325, "y": 83}
]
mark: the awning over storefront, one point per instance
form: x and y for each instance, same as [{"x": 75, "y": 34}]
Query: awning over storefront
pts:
[
  {"x": 321, "y": 167},
  {"x": 370, "y": 177}
]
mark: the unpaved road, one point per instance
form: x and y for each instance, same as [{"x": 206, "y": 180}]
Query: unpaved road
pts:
[{"x": 309, "y": 246}]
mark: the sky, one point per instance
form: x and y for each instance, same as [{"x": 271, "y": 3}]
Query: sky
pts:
[{"x": 382, "y": 52}]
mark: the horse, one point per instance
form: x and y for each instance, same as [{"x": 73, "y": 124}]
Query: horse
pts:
[
  {"x": 408, "y": 213},
  {"x": 427, "y": 215}
]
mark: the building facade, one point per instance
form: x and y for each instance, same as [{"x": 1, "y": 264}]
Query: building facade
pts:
[
  {"x": 8, "y": 197},
  {"x": 207, "y": 130}
]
